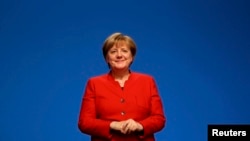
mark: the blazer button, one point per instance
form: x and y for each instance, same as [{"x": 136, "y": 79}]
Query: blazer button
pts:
[
  {"x": 123, "y": 113},
  {"x": 122, "y": 100}
]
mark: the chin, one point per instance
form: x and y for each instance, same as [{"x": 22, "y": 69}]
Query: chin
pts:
[{"x": 120, "y": 68}]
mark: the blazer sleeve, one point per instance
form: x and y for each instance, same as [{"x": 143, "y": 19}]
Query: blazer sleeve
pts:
[
  {"x": 156, "y": 121},
  {"x": 88, "y": 123}
]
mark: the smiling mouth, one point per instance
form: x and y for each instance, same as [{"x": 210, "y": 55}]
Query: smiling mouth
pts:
[{"x": 119, "y": 61}]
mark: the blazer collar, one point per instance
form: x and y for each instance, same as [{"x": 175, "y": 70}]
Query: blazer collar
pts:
[{"x": 111, "y": 78}]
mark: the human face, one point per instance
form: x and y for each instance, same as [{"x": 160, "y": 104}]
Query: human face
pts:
[{"x": 119, "y": 57}]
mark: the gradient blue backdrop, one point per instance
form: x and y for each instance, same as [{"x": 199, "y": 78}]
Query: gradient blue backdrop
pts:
[{"x": 197, "y": 50}]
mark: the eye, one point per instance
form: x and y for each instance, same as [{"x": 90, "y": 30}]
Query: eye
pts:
[
  {"x": 125, "y": 50},
  {"x": 112, "y": 51}
]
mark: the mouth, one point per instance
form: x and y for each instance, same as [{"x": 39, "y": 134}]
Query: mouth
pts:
[{"x": 119, "y": 61}]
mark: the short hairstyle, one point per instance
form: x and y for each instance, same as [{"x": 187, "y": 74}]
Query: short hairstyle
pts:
[{"x": 116, "y": 38}]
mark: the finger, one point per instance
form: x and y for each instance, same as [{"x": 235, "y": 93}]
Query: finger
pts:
[
  {"x": 132, "y": 127},
  {"x": 127, "y": 128},
  {"x": 124, "y": 127}
]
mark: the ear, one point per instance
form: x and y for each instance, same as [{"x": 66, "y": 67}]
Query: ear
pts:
[
  {"x": 133, "y": 58},
  {"x": 107, "y": 59}
]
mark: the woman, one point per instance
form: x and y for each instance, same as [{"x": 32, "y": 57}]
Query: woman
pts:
[{"x": 121, "y": 105}]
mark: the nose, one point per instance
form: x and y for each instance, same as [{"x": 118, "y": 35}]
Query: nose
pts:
[{"x": 119, "y": 53}]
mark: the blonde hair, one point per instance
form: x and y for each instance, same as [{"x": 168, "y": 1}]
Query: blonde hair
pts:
[{"x": 117, "y": 38}]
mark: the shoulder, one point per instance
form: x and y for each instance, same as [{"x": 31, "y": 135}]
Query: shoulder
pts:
[
  {"x": 97, "y": 80},
  {"x": 141, "y": 75},
  {"x": 101, "y": 77}
]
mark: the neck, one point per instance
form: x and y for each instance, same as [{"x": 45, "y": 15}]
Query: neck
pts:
[{"x": 120, "y": 74}]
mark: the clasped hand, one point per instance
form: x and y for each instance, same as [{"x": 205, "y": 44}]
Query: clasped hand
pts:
[{"x": 126, "y": 126}]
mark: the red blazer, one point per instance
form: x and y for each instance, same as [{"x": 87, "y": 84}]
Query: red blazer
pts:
[{"x": 105, "y": 101}]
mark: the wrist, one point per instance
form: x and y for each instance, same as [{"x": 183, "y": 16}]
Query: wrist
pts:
[
  {"x": 113, "y": 125},
  {"x": 140, "y": 127}
]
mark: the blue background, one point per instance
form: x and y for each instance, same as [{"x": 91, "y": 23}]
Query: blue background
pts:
[{"x": 197, "y": 50}]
